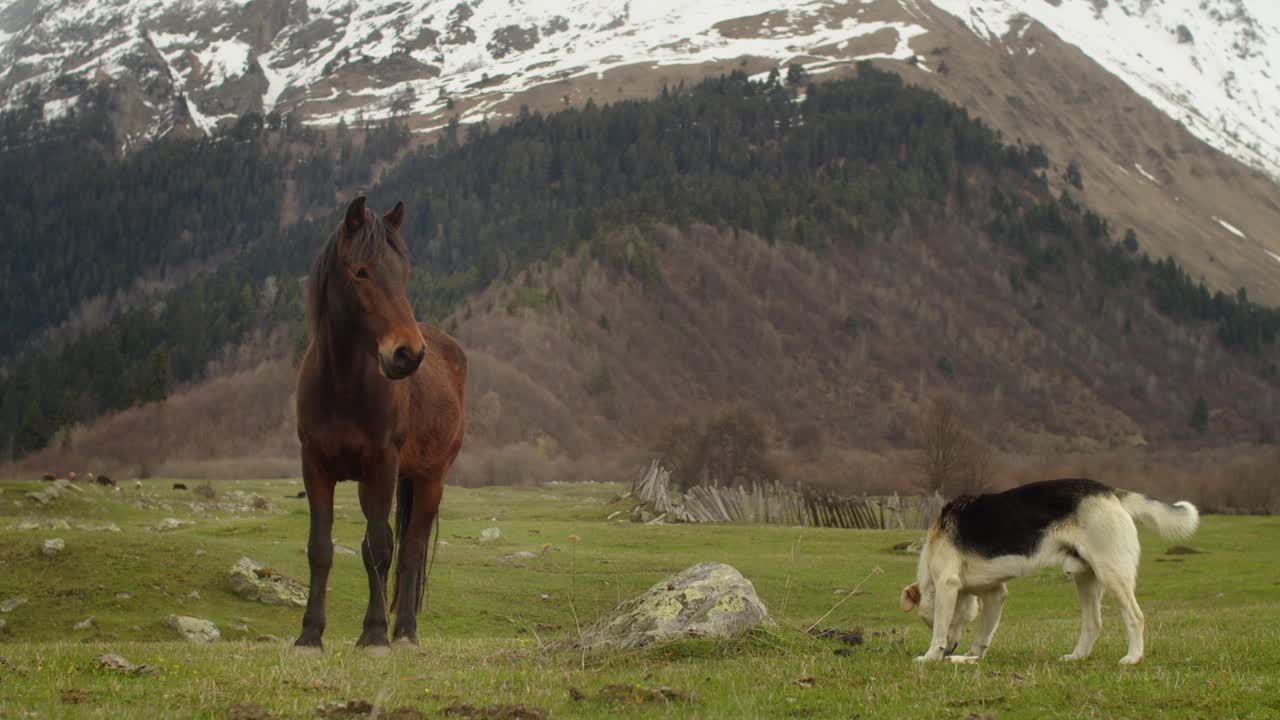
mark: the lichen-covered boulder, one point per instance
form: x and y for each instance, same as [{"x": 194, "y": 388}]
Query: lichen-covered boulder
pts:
[
  {"x": 710, "y": 599},
  {"x": 252, "y": 581},
  {"x": 50, "y": 493},
  {"x": 195, "y": 630}
]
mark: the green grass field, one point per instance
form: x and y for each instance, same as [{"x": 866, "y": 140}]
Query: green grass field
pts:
[{"x": 494, "y": 629}]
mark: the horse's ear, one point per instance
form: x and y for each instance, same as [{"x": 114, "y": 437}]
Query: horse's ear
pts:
[
  {"x": 910, "y": 597},
  {"x": 395, "y": 218},
  {"x": 355, "y": 215}
]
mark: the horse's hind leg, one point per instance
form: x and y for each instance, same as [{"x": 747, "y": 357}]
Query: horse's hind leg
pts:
[
  {"x": 424, "y": 497},
  {"x": 319, "y": 484},
  {"x": 376, "y": 491}
]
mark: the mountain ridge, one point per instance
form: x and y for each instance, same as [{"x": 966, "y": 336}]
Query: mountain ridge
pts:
[{"x": 866, "y": 169}]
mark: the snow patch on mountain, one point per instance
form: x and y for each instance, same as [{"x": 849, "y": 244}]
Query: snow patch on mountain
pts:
[
  {"x": 1146, "y": 174},
  {"x": 224, "y": 59},
  {"x": 520, "y": 45},
  {"x": 335, "y": 59},
  {"x": 1230, "y": 228},
  {"x": 1213, "y": 65}
]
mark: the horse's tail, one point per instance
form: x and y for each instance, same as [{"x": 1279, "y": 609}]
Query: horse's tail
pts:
[{"x": 404, "y": 506}]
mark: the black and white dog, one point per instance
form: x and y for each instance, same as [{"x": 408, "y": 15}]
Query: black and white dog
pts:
[{"x": 978, "y": 543}]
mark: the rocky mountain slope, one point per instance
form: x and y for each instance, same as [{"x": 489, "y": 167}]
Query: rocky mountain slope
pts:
[
  {"x": 1179, "y": 161},
  {"x": 331, "y": 59},
  {"x": 1169, "y": 106}
]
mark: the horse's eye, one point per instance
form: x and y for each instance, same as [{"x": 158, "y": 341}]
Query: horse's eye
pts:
[{"x": 362, "y": 273}]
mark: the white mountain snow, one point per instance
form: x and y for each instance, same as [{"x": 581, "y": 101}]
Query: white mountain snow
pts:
[{"x": 1214, "y": 65}]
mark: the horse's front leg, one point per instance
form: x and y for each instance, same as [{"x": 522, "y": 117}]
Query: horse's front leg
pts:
[
  {"x": 319, "y": 483},
  {"x": 377, "y": 488}
]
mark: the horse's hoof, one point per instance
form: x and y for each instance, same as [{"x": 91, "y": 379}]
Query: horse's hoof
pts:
[
  {"x": 1130, "y": 659},
  {"x": 308, "y": 650},
  {"x": 376, "y": 650},
  {"x": 405, "y": 644}
]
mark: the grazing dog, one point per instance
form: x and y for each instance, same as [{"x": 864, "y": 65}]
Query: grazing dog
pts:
[{"x": 979, "y": 543}]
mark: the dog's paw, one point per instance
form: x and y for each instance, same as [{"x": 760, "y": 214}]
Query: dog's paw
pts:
[{"x": 1130, "y": 659}]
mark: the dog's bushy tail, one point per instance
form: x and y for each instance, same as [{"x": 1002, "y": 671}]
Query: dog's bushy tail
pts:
[{"x": 1176, "y": 521}]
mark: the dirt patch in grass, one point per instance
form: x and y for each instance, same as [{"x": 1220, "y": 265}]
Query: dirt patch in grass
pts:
[
  {"x": 76, "y": 697},
  {"x": 848, "y": 637},
  {"x": 348, "y": 709},
  {"x": 248, "y": 711},
  {"x": 495, "y": 712}
]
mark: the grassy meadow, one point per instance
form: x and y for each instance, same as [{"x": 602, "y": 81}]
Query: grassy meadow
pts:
[{"x": 498, "y": 632}]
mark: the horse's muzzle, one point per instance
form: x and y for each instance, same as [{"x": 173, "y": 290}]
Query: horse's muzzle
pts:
[{"x": 402, "y": 363}]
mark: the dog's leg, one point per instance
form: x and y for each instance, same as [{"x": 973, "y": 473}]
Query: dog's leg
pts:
[
  {"x": 1090, "y": 590},
  {"x": 1121, "y": 586},
  {"x": 946, "y": 591},
  {"x": 988, "y": 620}
]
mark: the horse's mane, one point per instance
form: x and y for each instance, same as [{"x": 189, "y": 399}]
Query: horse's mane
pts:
[{"x": 375, "y": 244}]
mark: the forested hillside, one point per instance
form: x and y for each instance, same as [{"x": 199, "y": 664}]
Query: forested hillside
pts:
[{"x": 833, "y": 166}]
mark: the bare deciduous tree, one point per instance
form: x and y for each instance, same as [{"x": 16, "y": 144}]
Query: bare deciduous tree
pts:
[
  {"x": 731, "y": 449},
  {"x": 951, "y": 459}
]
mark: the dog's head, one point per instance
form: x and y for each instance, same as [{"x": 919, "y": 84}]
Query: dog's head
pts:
[{"x": 967, "y": 608}]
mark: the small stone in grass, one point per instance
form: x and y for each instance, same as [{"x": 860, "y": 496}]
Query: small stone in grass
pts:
[
  {"x": 116, "y": 663},
  {"x": 350, "y": 708},
  {"x": 84, "y": 624}
]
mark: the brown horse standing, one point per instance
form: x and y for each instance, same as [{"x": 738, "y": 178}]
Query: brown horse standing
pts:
[{"x": 380, "y": 401}]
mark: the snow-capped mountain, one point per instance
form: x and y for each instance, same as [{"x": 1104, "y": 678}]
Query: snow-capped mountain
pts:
[
  {"x": 334, "y": 59},
  {"x": 1213, "y": 65}
]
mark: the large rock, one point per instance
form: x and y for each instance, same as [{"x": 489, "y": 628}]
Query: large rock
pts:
[
  {"x": 50, "y": 493},
  {"x": 252, "y": 581},
  {"x": 193, "y": 629},
  {"x": 709, "y": 599}
]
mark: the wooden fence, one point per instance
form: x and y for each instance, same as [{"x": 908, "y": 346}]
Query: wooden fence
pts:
[{"x": 779, "y": 504}]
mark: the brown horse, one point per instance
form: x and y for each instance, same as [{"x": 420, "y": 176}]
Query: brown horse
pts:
[{"x": 380, "y": 401}]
